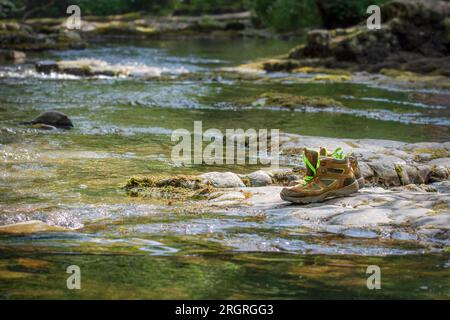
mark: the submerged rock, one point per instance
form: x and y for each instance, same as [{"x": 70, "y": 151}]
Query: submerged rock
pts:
[
  {"x": 50, "y": 119},
  {"x": 289, "y": 101}
]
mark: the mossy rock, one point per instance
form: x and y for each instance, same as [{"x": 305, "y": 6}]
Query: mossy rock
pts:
[
  {"x": 180, "y": 187},
  {"x": 290, "y": 101}
]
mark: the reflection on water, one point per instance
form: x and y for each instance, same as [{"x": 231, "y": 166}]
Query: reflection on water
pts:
[{"x": 129, "y": 248}]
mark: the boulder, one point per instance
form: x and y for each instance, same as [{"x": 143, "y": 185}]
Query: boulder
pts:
[
  {"x": 222, "y": 180},
  {"x": 51, "y": 118},
  {"x": 259, "y": 179}
]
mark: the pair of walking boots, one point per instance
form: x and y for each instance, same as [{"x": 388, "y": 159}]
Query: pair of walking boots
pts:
[{"x": 327, "y": 176}]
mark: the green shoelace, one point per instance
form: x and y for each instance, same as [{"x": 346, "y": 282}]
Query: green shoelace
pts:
[
  {"x": 337, "y": 154},
  {"x": 308, "y": 179}
]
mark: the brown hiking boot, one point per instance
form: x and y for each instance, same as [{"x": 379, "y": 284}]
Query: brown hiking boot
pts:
[
  {"x": 338, "y": 153},
  {"x": 325, "y": 178}
]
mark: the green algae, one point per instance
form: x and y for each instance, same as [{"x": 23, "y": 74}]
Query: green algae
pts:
[
  {"x": 178, "y": 187},
  {"x": 433, "y": 152},
  {"x": 290, "y": 101}
]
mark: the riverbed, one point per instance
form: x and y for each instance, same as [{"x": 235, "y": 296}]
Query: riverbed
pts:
[{"x": 139, "y": 248}]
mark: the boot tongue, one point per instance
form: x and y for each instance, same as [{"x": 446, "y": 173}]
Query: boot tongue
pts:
[{"x": 312, "y": 156}]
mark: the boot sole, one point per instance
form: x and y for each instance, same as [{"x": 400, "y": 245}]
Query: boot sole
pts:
[{"x": 330, "y": 194}]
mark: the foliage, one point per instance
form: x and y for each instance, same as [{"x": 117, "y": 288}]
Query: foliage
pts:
[
  {"x": 9, "y": 7},
  {"x": 344, "y": 13},
  {"x": 202, "y": 7},
  {"x": 156, "y": 7},
  {"x": 284, "y": 15}
]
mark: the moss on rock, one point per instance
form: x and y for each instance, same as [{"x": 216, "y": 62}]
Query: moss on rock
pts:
[
  {"x": 180, "y": 187},
  {"x": 289, "y": 101}
]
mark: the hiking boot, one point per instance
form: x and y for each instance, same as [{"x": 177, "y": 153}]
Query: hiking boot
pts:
[
  {"x": 325, "y": 178},
  {"x": 339, "y": 154}
]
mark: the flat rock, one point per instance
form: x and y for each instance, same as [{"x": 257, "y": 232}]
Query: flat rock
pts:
[
  {"x": 28, "y": 227},
  {"x": 93, "y": 67},
  {"x": 372, "y": 210}
]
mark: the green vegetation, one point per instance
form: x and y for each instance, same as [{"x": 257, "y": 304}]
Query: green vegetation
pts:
[
  {"x": 289, "y": 101},
  {"x": 284, "y": 15},
  {"x": 344, "y": 13},
  {"x": 281, "y": 15},
  {"x": 201, "y": 7},
  {"x": 178, "y": 187}
]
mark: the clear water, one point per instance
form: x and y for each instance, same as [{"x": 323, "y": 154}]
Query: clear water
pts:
[{"x": 131, "y": 248}]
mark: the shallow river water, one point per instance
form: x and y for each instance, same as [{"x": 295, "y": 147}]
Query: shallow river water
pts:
[{"x": 132, "y": 248}]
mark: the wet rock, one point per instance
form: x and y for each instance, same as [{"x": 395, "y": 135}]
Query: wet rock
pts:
[
  {"x": 289, "y": 101},
  {"x": 47, "y": 66},
  {"x": 82, "y": 68},
  {"x": 27, "y": 227},
  {"x": 52, "y": 118},
  {"x": 222, "y": 179},
  {"x": 92, "y": 68},
  {"x": 259, "y": 179},
  {"x": 12, "y": 56}
]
